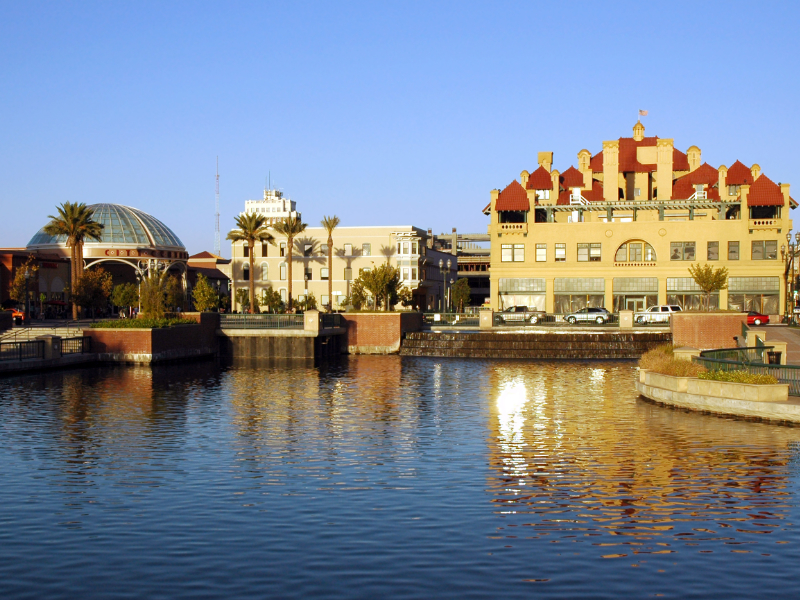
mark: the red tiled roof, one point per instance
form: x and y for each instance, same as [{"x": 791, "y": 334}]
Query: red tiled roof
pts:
[
  {"x": 487, "y": 209},
  {"x": 704, "y": 174},
  {"x": 513, "y": 197},
  {"x": 628, "y": 160},
  {"x": 593, "y": 195},
  {"x": 540, "y": 180},
  {"x": 764, "y": 192},
  {"x": 571, "y": 178},
  {"x": 203, "y": 254},
  {"x": 738, "y": 174}
]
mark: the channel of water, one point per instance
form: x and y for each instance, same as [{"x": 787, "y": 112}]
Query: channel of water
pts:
[{"x": 385, "y": 476}]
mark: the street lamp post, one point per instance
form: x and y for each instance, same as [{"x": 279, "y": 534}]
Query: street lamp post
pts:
[
  {"x": 788, "y": 255},
  {"x": 449, "y": 294},
  {"x": 441, "y": 272},
  {"x": 27, "y": 299}
]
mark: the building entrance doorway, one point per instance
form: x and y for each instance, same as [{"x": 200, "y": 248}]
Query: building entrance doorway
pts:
[{"x": 635, "y": 304}]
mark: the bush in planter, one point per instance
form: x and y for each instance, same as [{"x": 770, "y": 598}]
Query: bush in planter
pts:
[
  {"x": 662, "y": 360},
  {"x": 738, "y": 377},
  {"x": 141, "y": 323}
]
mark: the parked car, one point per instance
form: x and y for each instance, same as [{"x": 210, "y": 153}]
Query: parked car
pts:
[
  {"x": 657, "y": 314},
  {"x": 16, "y": 314},
  {"x": 519, "y": 314},
  {"x": 586, "y": 315},
  {"x": 756, "y": 318}
]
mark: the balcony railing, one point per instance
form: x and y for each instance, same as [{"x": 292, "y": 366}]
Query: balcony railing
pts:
[
  {"x": 22, "y": 350},
  {"x": 76, "y": 345},
  {"x": 764, "y": 223},
  {"x": 514, "y": 227},
  {"x": 264, "y": 321}
]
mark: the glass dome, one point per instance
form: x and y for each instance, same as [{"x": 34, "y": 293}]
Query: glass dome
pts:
[{"x": 121, "y": 225}]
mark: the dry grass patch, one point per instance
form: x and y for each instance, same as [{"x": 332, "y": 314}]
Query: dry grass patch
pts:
[
  {"x": 738, "y": 377},
  {"x": 662, "y": 360}
]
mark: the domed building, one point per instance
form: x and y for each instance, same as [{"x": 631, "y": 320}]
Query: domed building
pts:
[{"x": 133, "y": 243}]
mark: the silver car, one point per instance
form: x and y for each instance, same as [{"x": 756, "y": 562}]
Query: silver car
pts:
[{"x": 589, "y": 315}]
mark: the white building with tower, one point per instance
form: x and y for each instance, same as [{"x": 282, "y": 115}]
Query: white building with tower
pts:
[{"x": 274, "y": 206}]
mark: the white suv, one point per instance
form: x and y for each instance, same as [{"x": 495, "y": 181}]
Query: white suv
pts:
[{"x": 657, "y": 314}]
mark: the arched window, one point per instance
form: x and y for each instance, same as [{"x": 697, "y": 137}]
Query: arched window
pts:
[
  {"x": 246, "y": 272},
  {"x": 635, "y": 251},
  {"x": 264, "y": 271}
]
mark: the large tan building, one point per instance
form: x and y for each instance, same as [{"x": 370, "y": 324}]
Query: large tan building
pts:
[
  {"x": 355, "y": 249},
  {"x": 622, "y": 228}
]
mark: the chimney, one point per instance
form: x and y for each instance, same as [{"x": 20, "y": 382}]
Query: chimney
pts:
[
  {"x": 523, "y": 177},
  {"x": 611, "y": 171},
  {"x": 755, "y": 171},
  {"x": 743, "y": 191},
  {"x": 454, "y": 243},
  {"x": 785, "y": 192},
  {"x": 664, "y": 153},
  {"x": 546, "y": 160},
  {"x": 584, "y": 158},
  {"x": 554, "y": 177},
  {"x": 429, "y": 241},
  {"x": 723, "y": 175},
  {"x": 693, "y": 154}
]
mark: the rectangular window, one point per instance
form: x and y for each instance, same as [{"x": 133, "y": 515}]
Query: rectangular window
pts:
[
  {"x": 541, "y": 252},
  {"x": 323, "y": 273},
  {"x": 637, "y": 192},
  {"x": 512, "y": 252},
  {"x": 283, "y": 248},
  {"x": 733, "y": 190},
  {"x": 307, "y": 274},
  {"x": 543, "y": 194},
  {"x": 414, "y": 273},
  {"x": 764, "y": 250},
  {"x": 681, "y": 250},
  {"x": 414, "y": 247},
  {"x": 405, "y": 247},
  {"x": 348, "y": 249},
  {"x": 733, "y": 250},
  {"x": 399, "y": 247},
  {"x": 594, "y": 252},
  {"x": 406, "y": 273},
  {"x": 366, "y": 249},
  {"x": 561, "y": 252},
  {"x": 246, "y": 251},
  {"x": 348, "y": 274},
  {"x": 583, "y": 252},
  {"x": 324, "y": 299},
  {"x": 264, "y": 249},
  {"x": 324, "y": 249},
  {"x": 757, "y": 251},
  {"x": 636, "y": 252},
  {"x": 283, "y": 272},
  {"x": 307, "y": 249},
  {"x": 713, "y": 251}
]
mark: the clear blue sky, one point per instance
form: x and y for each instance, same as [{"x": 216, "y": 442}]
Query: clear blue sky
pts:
[{"x": 382, "y": 113}]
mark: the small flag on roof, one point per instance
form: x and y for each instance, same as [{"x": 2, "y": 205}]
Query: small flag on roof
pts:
[{"x": 642, "y": 113}]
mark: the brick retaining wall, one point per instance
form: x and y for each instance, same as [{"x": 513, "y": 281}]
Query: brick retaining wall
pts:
[
  {"x": 379, "y": 333},
  {"x": 706, "y": 331}
]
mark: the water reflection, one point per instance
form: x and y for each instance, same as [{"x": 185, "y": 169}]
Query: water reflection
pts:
[
  {"x": 391, "y": 476},
  {"x": 574, "y": 462}
]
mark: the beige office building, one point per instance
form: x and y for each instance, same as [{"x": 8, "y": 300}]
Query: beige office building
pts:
[
  {"x": 622, "y": 228},
  {"x": 355, "y": 249}
]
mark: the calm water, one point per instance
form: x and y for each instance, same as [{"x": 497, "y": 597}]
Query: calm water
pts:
[{"x": 385, "y": 477}]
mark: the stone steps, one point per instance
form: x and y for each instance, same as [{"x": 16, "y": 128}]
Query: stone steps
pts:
[{"x": 532, "y": 346}]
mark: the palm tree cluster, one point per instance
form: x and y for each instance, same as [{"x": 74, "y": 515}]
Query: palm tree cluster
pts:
[
  {"x": 75, "y": 222},
  {"x": 252, "y": 228}
]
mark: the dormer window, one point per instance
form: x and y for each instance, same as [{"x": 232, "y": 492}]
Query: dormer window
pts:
[
  {"x": 543, "y": 194},
  {"x": 733, "y": 190}
]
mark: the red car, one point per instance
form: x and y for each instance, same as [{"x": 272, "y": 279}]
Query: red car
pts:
[
  {"x": 756, "y": 318},
  {"x": 16, "y": 314}
]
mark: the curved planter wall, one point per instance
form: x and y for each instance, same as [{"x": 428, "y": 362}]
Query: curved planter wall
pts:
[{"x": 770, "y": 402}]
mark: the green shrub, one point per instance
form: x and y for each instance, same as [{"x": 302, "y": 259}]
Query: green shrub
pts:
[
  {"x": 141, "y": 323},
  {"x": 662, "y": 360},
  {"x": 738, "y": 377}
]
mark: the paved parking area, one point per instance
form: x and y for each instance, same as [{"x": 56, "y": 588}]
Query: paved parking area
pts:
[{"x": 790, "y": 335}]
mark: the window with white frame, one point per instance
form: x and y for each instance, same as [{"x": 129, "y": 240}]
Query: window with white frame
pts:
[
  {"x": 348, "y": 249},
  {"x": 323, "y": 273},
  {"x": 512, "y": 253},
  {"x": 541, "y": 252},
  {"x": 366, "y": 249},
  {"x": 561, "y": 252},
  {"x": 283, "y": 271},
  {"x": 264, "y": 271}
]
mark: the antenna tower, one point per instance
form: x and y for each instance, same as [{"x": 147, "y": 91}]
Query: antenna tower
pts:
[{"x": 216, "y": 226}]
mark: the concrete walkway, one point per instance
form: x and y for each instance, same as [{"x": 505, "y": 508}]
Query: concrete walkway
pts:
[{"x": 783, "y": 333}]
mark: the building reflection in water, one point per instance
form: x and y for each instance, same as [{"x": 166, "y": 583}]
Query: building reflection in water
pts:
[{"x": 575, "y": 456}]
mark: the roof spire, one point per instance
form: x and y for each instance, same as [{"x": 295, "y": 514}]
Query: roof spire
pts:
[{"x": 638, "y": 131}]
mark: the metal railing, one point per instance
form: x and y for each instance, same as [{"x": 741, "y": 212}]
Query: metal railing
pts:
[
  {"x": 453, "y": 319},
  {"x": 331, "y": 320},
  {"x": 21, "y": 350},
  {"x": 76, "y": 345},
  {"x": 262, "y": 321},
  {"x": 752, "y": 361}
]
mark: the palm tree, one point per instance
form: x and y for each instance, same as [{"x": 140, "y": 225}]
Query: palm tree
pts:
[
  {"x": 290, "y": 227},
  {"x": 330, "y": 223},
  {"x": 252, "y": 228},
  {"x": 75, "y": 222}
]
